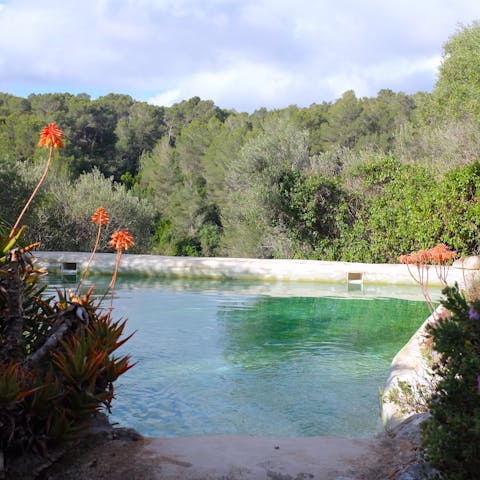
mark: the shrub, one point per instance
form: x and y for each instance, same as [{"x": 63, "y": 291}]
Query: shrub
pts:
[
  {"x": 451, "y": 435},
  {"x": 61, "y": 219}
]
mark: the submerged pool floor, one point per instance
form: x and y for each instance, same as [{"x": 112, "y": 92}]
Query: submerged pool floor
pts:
[{"x": 215, "y": 358}]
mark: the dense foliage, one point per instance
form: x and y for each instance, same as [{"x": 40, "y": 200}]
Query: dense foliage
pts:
[
  {"x": 355, "y": 179},
  {"x": 452, "y": 431}
]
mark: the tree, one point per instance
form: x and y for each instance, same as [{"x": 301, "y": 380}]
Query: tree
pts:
[
  {"x": 137, "y": 132},
  {"x": 49, "y": 106},
  {"x": 16, "y": 140},
  {"x": 184, "y": 179},
  {"x": 10, "y": 104},
  {"x": 382, "y": 116},
  {"x": 313, "y": 119},
  {"x": 252, "y": 218},
  {"x": 458, "y": 87},
  {"x": 14, "y": 188},
  {"x": 227, "y": 140},
  {"x": 310, "y": 209},
  {"x": 181, "y": 114},
  {"x": 343, "y": 127},
  {"x": 441, "y": 145}
]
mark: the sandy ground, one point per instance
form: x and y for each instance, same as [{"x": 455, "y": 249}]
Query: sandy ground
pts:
[
  {"x": 253, "y": 458},
  {"x": 127, "y": 456}
]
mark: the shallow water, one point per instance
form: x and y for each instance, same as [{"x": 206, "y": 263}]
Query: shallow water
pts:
[{"x": 221, "y": 358}]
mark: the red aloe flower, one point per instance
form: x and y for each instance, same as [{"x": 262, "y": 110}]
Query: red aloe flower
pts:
[
  {"x": 442, "y": 254},
  {"x": 100, "y": 217},
  {"x": 120, "y": 240},
  {"x": 439, "y": 256},
  {"x": 50, "y": 137}
]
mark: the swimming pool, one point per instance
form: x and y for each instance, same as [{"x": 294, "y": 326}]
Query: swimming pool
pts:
[{"x": 231, "y": 357}]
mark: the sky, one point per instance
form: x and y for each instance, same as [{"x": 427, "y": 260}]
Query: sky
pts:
[{"x": 242, "y": 54}]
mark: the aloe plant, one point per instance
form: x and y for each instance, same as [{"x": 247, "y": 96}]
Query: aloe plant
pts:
[{"x": 57, "y": 352}]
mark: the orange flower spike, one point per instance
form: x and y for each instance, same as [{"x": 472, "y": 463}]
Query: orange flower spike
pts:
[
  {"x": 415, "y": 258},
  {"x": 424, "y": 256},
  {"x": 100, "y": 217},
  {"x": 442, "y": 254},
  {"x": 121, "y": 240},
  {"x": 51, "y": 137},
  {"x": 404, "y": 259}
]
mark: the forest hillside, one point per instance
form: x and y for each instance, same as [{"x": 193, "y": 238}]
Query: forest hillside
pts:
[{"x": 356, "y": 179}]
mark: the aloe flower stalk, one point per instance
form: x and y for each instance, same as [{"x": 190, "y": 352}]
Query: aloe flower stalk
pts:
[
  {"x": 120, "y": 240},
  {"x": 100, "y": 217},
  {"x": 51, "y": 138}
]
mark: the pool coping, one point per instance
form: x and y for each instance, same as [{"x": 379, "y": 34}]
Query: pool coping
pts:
[{"x": 238, "y": 268}]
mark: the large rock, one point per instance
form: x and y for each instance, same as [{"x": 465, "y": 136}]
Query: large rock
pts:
[
  {"x": 410, "y": 377},
  {"x": 468, "y": 263},
  {"x": 469, "y": 268}
]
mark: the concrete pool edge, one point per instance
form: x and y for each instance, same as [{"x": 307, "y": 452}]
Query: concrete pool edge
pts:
[{"x": 238, "y": 268}]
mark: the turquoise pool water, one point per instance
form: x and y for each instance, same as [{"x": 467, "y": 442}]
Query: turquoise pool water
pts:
[{"x": 249, "y": 358}]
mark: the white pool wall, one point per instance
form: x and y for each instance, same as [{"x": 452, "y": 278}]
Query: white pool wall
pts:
[{"x": 240, "y": 268}]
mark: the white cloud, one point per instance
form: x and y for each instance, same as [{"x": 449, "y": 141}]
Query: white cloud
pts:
[
  {"x": 240, "y": 83},
  {"x": 167, "y": 98},
  {"x": 388, "y": 74},
  {"x": 242, "y": 54}
]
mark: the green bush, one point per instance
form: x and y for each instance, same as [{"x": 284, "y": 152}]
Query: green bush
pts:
[
  {"x": 451, "y": 435},
  {"x": 61, "y": 220}
]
